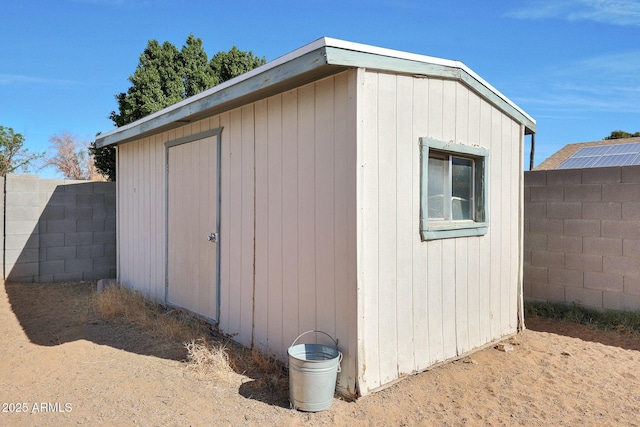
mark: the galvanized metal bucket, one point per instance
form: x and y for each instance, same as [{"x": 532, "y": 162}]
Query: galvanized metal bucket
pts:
[{"x": 313, "y": 369}]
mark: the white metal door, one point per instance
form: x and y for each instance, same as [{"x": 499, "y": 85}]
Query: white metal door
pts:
[{"x": 192, "y": 227}]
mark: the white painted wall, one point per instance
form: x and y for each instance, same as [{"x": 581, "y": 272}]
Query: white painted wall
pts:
[{"x": 421, "y": 303}]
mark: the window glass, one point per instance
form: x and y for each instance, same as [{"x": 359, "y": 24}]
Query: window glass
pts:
[
  {"x": 436, "y": 187},
  {"x": 461, "y": 188}
]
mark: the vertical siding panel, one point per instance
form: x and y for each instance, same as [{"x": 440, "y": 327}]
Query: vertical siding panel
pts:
[
  {"x": 248, "y": 215},
  {"x": 419, "y": 248},
  {"x": 485, "y": 277},
  {"x": 324, "y": 193},
  {"x": 435, "y": 301},
  {"x": 352, "y": 302},
  {"x": 435, "y": 118},
  {"x": 462, "y": 262},
  {"x": 306, "y": 209},
  {"x": 473, "y": 277},
  {"x": 290, "y": 215},
  {"x": 515, "y": 197},
  {"x": 495, "y": 208},
  {"x": 261, "y": 295},
  {"x": 227, "y": 139},
  {"x": 506, "y": 202},
  {"x": 387, "y": 231},
  {"x": 233, "y": 286},
  {"x": 369, "y": 359},
  {"x": 274, "y": 224},
  {"x": 404, "y": 225},
  {"x": 341, "y": 154}
]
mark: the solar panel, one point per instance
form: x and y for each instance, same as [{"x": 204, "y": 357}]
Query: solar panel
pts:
[{"x": 603, "y": 156}]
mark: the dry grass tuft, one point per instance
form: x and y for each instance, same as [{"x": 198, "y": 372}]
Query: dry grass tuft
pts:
[{"x": 209, "y": 358}]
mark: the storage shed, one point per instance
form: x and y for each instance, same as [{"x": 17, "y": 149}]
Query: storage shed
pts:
[{"x": 373, "y": 194}]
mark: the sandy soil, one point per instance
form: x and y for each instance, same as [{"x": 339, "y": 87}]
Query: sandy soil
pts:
[{"x": 63, "y": 365}]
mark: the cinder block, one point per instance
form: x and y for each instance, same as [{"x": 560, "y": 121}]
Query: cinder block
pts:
[
  {"x": 620, "y": 229},
  {"x": 631, "y": 211},
  {"x": 564, "y": 177},
  {"x": 564, "y": 210},
  {"x": 104, "y": 187},
  {"x": 546, "y": 225},
  {"x": 110, "y": 224},
  {"x": 68, "y": 277},
  {"x": 626, "y": 266},
  {"x": 546, "y": 292},
  {"x": 22, "y": 183},
  {"x": 90, "y": 251},
  {"x": 527, "y": 194},
  {"x": 110, "y": 250},
  {"x": 631, "y": 174},
  {"x": 22, "y": 241},
  {"x": 22, "y": 227},
  {"x": 51, "y": 239},
  {"x": 609, "y": 175},
  {"x": 533, "y": 274},
  {"x": 52, "y": 267},
  {"x": 581, "y": 227},
  {"x": 603, "y": 281},
  {"x": 620, "y": 192},
  {"x": 562, "y": 243},
  {"x": 90, "y": 224},
  {"x": 77, "y": 187},
  {"x": 21, "y": 270},
  {"x": 76, "y": 213},
  {"x": 535, "y": 178},
  {"x": 105, "y": 211},
  {"x": 620, "y": 301},
  {"x": 78, "y": 239},
  {"x": 61, "y": 252},
  {"x": 602, "y": 246},
  {"x": 547, "y": 259},
  {"x": 583, "y": 193},
  {"x": 583, "y": 262},
  {"x": 60, "y": 226},
  {"x": 52, "y": 212},
  {"x": 602, "y": 210},
  {"x": 547, "y": 194},
  {"x": 90, "y": 200},
  {"x": 563, "y": 277},
  {"x": 631, "y": 248},
  {"x": 110, "y": 199},
  {"x": 535, "y": 210},
  {"x": 23, "y": 199},
  {"x": 632, "y": 285},
  {"x": 49, "y": 186},
  {"x": 526, "y": 257},
  {"x": 24, "y": 255},
  {"x": 584, "y": 297},
  {"x": 23, "y": 213},
  {"x": 535, "y": 241},
  {"x": 60, "y": 198},
  {"x": 104, "y": 263},
  {"x": 78, "y": 265},
  {"x": 106, "y": 238}
]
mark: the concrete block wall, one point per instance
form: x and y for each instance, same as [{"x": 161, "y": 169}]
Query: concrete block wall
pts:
[
  {"x": 58, "y": 230},
  {"x": 582, "y": 237}
]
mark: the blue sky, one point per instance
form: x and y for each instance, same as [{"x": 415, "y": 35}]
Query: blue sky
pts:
[{"x": 574, "y": 65}]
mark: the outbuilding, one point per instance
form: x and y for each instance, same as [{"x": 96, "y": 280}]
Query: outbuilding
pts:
[{"x": 372, "y": 194}]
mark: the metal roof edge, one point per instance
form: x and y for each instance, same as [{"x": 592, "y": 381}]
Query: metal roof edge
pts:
[{"x": 311, "y": 57}]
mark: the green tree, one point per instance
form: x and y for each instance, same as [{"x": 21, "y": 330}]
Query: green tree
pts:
[
  {"x": 617, "y": 134},
  {"x": 13, "y": 154},
  {"x": 166, "y": 75}
]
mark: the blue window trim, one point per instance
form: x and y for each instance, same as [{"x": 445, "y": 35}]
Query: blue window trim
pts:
[{"x": 431, "y": 230}]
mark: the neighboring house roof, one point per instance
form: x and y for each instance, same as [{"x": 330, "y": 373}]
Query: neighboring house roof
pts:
[
  {"x": 321, "y": 58},
  {"x": 570, "y": 156}
]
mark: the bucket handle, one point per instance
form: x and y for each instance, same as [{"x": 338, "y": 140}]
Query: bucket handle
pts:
[
  {"x": 330, "y": 337},
  {"x": 314, "y": 330}
]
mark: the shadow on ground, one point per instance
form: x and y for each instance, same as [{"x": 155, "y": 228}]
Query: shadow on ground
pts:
[
  {"x": 53, "y": 314},
  {"x": 575, "y": 330}
]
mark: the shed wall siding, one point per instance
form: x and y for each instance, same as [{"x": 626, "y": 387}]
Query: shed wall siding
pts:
[
  {"x": 288, "y": 217},
  {"x": 421, "y": 303}
]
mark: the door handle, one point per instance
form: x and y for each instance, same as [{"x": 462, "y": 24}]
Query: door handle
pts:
[{"x": 213, "y": 237}]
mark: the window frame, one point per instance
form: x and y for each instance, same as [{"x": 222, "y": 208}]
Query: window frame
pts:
[{"x": 448, "y": 228}]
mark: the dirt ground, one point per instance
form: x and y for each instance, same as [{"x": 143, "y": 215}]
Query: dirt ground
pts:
[{"x": 63, "y": 365}]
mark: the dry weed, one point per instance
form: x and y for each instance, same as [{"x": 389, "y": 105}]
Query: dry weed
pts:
[{"x": 209, "y": 358}]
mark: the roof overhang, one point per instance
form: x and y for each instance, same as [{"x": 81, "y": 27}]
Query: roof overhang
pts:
[{"x": 314, "y": 61}]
